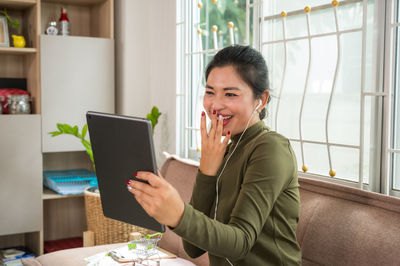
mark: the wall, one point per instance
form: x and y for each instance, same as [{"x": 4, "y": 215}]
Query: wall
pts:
[{"x": 145, "y": 36}]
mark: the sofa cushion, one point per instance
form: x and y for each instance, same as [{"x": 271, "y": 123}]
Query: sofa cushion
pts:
[
  {"x": 346, "y": 226},
  {"x": 181, "y": 176}
]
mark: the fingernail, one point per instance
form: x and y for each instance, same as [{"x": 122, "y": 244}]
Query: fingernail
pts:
[
  {"x": 203, "y": 114},
  {"x": 214, "y": 112},
  {"x": 220, "y": 117},
  {"x": 129, "y": 187},
  {"x": 128, "y": 182},
  {"x": 229, "y": 132},
  {"x": 136, "y": 174}
]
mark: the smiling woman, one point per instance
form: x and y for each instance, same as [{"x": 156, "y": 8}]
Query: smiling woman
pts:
[
  {"x": 237, "y": 78},
  {"x": 245, "y": 203}
]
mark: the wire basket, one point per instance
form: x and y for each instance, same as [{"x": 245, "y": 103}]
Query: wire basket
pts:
[
  {"x": 145, "y": 247},
  {"x": 68, "y": 182}
]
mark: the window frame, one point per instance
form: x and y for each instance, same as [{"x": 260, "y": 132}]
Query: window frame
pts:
[
  {"x": 381, "y": 176},
  {"x": 387, "y": 177}
]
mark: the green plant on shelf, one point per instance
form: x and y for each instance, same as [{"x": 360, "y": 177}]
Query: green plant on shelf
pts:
[
  {"x": 14, "y": 23},
  {"x": 153, "y": 117},
  {"x": 74, "y": 130}
]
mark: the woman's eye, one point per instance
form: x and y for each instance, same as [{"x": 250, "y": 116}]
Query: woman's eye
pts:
[
  {"x": 230, "y": 94},
  {"x": 209, "y": 92}
]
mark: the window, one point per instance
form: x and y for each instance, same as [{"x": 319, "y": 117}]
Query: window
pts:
[
  {"x": 319, "y": 69},
  {"x": 391, "y": 136},
  {"x": 196, "y": 42},
  {"x": 328, "y": 70}
]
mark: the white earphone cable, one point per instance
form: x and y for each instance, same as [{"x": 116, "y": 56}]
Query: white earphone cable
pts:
[{"x": 226, "y": 162}]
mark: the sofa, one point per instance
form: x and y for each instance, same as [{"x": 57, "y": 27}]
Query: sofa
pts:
[{"x": 338, "y": 225}]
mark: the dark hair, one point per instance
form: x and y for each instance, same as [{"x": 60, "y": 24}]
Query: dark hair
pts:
[{"x": 248, "y": 63}]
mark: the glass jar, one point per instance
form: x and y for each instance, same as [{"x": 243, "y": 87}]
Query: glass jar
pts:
[
  {"x": 1, "y": 106},
  {"x": 52, "y": 28},
  {"x": 19, "y": 104}
]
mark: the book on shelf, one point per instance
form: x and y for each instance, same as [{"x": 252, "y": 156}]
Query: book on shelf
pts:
[{"x": 13, "y": 256}]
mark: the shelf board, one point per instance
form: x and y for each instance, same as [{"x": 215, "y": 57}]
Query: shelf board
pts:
[
  {"x": 49, "y": 194},
  {"x": 75, "y": 2},
  {"x": 17, "y": 4},
  {"x": 13, "y": 50}
]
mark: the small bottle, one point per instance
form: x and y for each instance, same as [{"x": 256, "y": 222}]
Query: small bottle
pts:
[
  {"x": 64, "y": 23},
  {"x": 52, "y": 28}
]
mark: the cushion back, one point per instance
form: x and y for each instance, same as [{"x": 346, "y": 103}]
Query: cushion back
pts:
[
  {"x": 346, "y": 226},
  {"x": 181, "y": 176}
]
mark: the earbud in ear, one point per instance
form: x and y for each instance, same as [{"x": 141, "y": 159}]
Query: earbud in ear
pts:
[{"x": 259, "y": 104}]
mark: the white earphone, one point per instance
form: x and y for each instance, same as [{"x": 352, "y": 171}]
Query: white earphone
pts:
[{"x": 259, "y": 104}]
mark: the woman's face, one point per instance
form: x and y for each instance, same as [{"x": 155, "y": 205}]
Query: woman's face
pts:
[{"x": 231, "y": 97}]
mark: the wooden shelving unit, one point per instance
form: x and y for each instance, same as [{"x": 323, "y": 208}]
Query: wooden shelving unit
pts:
[
  {"x": 17, "y": 51},
  {"x": 89, "y": 18},
  {"x": 18, "y": 4},
  {"x": 62, "y": 216}
]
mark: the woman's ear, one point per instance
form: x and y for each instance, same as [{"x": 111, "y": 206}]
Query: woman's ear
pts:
[{"x": 264, "y": 98}]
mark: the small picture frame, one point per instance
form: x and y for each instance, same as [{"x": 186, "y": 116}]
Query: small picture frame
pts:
[{"x": 4, "y": 39}]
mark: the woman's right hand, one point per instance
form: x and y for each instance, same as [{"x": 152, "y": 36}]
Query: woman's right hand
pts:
[{"x": 212, "y": 149}]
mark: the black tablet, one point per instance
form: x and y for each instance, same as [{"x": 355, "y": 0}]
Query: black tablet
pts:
[{"x": 122, "y": 146}]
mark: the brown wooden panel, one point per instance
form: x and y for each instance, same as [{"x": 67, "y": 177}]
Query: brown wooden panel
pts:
[
  {"x": 12, "y": 66},
  {"x": 17, "y": 4},
  {"x": 64, "y": 218},
  {"x": 34, "y": 242},
  {"x": 102, "y": 20},
  {"x": 12, "y": 240}
]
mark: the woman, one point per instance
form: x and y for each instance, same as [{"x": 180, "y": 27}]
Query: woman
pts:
[{"x": 245, "y": 204}]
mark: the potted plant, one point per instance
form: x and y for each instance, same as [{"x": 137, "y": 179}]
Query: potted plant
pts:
[{"x": 18, "y": 40}]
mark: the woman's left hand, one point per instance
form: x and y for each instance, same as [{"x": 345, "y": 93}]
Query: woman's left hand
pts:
[{"x": 159, "y": 199}]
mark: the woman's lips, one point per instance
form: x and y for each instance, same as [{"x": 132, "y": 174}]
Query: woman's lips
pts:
[{"x": 226, "y": 121}]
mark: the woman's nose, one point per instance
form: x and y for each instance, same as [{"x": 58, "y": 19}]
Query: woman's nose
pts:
[{"x": 217, "y": 105}]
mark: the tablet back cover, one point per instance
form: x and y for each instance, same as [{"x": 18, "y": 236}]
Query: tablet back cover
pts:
[{"x": 121, "y": 147}]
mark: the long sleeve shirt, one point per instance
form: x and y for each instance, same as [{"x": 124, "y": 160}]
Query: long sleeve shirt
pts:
[{"x": 258, "y": 207}]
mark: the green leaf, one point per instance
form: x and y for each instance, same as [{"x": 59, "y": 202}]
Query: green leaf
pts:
[
  {"x": 75, "y": 131},
  {"x": 153, "y": 117},
  {"x": 86, "y": 144},
  {"x": 67, "y": 128},
  {"x": 15, "y": 24},
  {"x": 84, "y": 130},
  {"x": 55, "y": 133},
  {"x": 154, "y": 111},
  {"x": 60, "y": 127}
]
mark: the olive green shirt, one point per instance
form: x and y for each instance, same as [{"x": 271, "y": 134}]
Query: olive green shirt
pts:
[{"x": 258, "y": 207}]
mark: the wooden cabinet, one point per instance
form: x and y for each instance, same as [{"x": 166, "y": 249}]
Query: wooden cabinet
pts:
[
  {"x": 20, "y": 174},
  {"x": 66, "y": 76}
]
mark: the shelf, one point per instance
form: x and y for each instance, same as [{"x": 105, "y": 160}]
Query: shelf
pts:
[
  {"x": 75, "y": 2},
  {"x": 88, "y": 18},
  {"x": 13, "y": 50},
  {"x": 17, "y": 4},
  {"x": 49, "y": 194}
]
